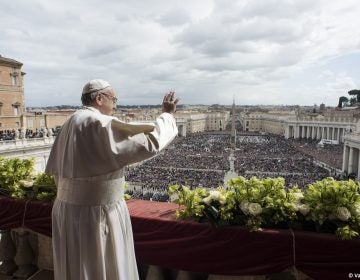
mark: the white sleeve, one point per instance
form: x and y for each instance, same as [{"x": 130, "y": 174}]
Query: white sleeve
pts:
[
  {"x": 88, "y": 146},
  {"x": 129, "y": 149},
  {"x": 165, "y": 129}
]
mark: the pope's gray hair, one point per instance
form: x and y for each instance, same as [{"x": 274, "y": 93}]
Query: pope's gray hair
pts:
[{"x": 88, "y": 98}]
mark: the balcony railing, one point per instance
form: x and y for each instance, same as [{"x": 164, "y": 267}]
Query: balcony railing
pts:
[
  {"x": 25, "y": 142},
  {"x": 169, "y": 249}
]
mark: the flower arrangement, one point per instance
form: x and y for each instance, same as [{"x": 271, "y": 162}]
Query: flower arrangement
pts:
[
  {"x": 18, "y": 179},
  {"x": 201, "y": 203},
  {"x": 334, "y": 205},
  {"x": 327, "y": 205}
]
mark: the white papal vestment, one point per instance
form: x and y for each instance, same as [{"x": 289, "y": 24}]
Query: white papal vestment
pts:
[{"x": 91, "y": 227}]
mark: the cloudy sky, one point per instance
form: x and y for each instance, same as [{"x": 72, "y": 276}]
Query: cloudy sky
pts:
[{"x": 262, "y": 52}]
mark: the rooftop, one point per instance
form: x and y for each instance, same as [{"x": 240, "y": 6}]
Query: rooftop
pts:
[{"x": 5, "y": 60}]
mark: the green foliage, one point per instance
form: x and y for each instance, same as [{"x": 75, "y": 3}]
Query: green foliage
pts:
[
  {"x": 355, "y": 92},
  {"x": 346, "y": 233},
  {"x": 44, "y": 187},
  {"x": 12, "y": 172},
  {"x": 335, "y": 203},
  {"x": 343, "y": 101},
  {"x": 352, "y": 101},
  {"x": 44, "y": 179},
  {"x": 327, "y": 205},
  {"x": 191, "y": 199},
  {"x": 264, "y": 202},
  {"x": 19, "y": 180}
]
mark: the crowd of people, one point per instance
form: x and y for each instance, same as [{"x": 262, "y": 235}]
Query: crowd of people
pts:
[
  {"x": 13, "y": 134},
  {"x": 201, "y": 151},
  {"x": 327, "y": 153},
  {"x": 203, "y": 159},
  {"x": 272, "y": 156}
]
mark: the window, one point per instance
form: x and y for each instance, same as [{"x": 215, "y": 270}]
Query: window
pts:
[
  {"x": 16, "y": 107},
  {"x": 14, "y": 75},
  {"x": 13, "y": 80},
  {"x": 30, "y": 123}
]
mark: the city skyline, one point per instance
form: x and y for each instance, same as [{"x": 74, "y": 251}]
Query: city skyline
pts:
[{"x": 269, "y": 53}]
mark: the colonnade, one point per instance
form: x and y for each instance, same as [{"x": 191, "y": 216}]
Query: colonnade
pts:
[
  {"x": 315, "y": 132},
  {"x": 351, "y": 155}
]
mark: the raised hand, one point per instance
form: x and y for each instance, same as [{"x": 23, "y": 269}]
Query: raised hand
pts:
[{"x": 169, "y": 102}]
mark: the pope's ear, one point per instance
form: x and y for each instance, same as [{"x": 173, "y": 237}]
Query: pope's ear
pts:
[{"x": 98, "y": 98}]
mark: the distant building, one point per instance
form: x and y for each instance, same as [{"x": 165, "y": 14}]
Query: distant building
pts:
[
  {"x": 202, "y": 120},
  {"x": 271, "y": 121},
  {"x": 351, "y": 154},
  {"x": 322, "y": 108},
  {"x": 12, "y": 104},
  {"x": 332, "y": 124}
]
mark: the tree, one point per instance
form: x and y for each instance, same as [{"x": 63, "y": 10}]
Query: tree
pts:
[
  {"x": 352, "y": 101},
  {"x": 355, "y": 92},
  {"x": 343, "y": 100}
]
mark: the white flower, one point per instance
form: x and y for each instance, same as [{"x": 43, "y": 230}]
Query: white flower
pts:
[
  {"x": 174, "y": 197},
  {"x": 26, "y": 183},
  {"x": 304, "y": 209},
  {"x": 357, "y": 210},
  {"x": 343, "y": 213},
  {"x": 295, "y": 206},
  {"x": 207, "y": 200},
  {"x": 255, "y": 209},
  {"x": 215, "y": 195},
  {"x": 222, "y": 200},
  {"x": 298, "y": 195},
  {"x": 244, "y": 206}
]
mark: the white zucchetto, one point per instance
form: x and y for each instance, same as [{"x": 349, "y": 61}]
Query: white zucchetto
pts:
[{"x": 95, "y": 85}]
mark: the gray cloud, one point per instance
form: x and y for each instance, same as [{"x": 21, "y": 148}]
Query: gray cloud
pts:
[
  {"x": 175, "y": 16},
  {"x": 99, "y": 50},
  {"x": 208, "y": 50},
  {"x": 278, "y": 9}
]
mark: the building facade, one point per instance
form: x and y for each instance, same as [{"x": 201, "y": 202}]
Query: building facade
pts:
[
  {"x": 332, "y": 125},
  {"x": 270, "y": 122},
  {"x": 200, "y": 121},
  {"x": 351, "y": 155},
  {"x": 12, "y": 104}
]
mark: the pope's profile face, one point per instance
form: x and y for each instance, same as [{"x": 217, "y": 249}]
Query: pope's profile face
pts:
[{"x": 107, "y": 105}]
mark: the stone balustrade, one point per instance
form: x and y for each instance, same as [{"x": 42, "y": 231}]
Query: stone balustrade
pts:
[
  {"x": 18, "y": 253},
  {"x": 25, "y": 143},
  {"x": 36, "y": 148},
  {"x": 28, "y": 255}
]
